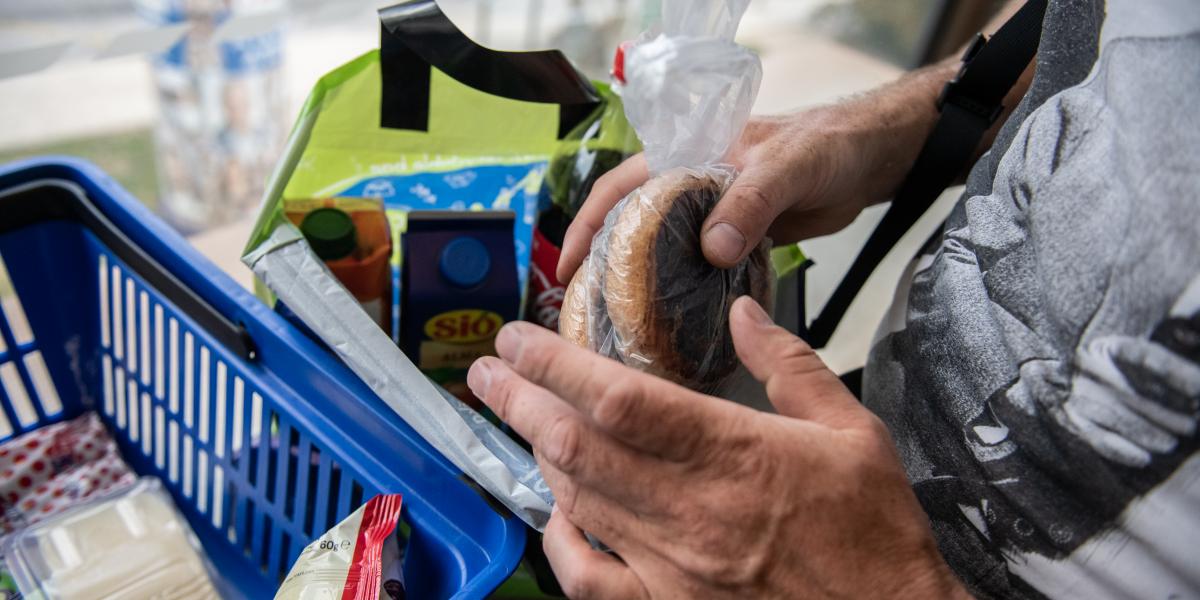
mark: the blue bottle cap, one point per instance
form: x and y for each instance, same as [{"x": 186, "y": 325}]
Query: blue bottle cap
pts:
[{"x": 465, "y": 262}]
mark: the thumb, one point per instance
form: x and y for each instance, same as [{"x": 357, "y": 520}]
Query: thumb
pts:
[
  {"x": 741, "y": 218},
  {"x": 798, "y": 383}
]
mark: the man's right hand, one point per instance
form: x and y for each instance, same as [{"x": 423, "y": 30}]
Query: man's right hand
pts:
[{"x": 801, "y": 175}]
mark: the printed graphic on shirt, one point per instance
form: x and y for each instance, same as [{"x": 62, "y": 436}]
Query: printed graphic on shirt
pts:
[{"x": 1045, "y": 381}]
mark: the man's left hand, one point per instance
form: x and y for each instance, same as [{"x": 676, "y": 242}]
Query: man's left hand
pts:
[{"x": 700, "y": 497}]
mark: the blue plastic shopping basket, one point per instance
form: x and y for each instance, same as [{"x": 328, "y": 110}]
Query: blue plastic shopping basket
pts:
[{"x": 263, "y": 439}]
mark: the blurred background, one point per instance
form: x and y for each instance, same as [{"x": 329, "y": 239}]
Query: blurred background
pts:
[{"x": 188, "y": 102}]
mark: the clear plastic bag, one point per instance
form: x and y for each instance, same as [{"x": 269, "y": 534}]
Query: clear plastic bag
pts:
[{"x": 646, "y": 295}]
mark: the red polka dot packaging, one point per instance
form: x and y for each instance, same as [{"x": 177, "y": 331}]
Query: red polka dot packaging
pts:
[{"x": 52, "y": 468}]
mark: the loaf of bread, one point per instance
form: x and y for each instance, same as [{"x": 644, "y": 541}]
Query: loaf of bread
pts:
[{"x": 648, "y": 297}]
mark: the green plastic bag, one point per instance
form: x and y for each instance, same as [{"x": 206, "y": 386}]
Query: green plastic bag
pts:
[{"x": 429, "y": 121}]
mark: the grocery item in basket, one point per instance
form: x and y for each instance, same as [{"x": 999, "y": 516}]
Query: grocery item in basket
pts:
[
  {"x": 53, "y": 468},
  {"x": 131, "y": 544},
  {"x": 360, "y": 558},
  {"x": 459, "y": 287},
  {"x": 543, "y": 299},
  {"x": 353, "y": 237},
  {"x": 646, "y": 294}
]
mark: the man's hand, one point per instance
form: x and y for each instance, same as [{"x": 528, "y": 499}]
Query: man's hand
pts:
[
  {"x": 801, "y": 175},
  {"x": 700, "y": 497}
]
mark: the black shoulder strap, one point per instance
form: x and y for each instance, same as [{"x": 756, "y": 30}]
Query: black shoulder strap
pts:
[{"x": 969, "y": 105}]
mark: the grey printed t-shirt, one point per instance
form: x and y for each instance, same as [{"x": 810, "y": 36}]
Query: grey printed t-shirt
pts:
[{"x": 1040, "y": 369}]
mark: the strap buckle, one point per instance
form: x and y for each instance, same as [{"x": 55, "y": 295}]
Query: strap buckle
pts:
[{"x": 952, "y": 92}]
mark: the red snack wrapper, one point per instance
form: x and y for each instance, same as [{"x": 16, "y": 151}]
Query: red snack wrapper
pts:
[{"x": 359, "y": 559}]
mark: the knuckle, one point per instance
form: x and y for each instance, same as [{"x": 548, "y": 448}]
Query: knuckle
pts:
[
  {"x": 617, "y": 407},
  {"x": 877, "y": 428},
  {"x": 751, "y": 200},
  {"x": 563, "y": 445},
  {"x": 605, "y": 189},
  {"x": 795, "y": 351},
  {"x": 500, "y": 394},
  {"x": 579, "y": 232},
  {"x": 536, "y": 359},
  {"x": 793, "y": 362},
  {"x": 580, "y": 583},
  {"x": 566, "y": 498},
  {"x": 726, "y": 569}
]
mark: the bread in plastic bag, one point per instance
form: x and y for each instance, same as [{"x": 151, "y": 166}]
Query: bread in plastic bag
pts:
[{"x": 646, "y": 295}]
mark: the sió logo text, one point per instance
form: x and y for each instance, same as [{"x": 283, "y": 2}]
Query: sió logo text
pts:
[{"x": 462, "y": 326}]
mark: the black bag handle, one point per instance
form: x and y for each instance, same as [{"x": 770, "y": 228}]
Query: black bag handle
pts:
[
  {"x": 416, "y": 35},
  {"x": 969, "y": 105}
]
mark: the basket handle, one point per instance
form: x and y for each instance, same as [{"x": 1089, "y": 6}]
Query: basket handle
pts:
[{"x": 60, "y": 200}]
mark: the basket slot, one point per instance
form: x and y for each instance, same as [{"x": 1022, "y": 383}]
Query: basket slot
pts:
[
  {"x": 43, "y": 385},
  {"x": 160, "y": 437},
  {"x": 202, "y": 489},
  {"x": 173, "y": 451},
  {"x": 118, "y": 315},
  {"x": 147, "y": 433},
  {"x": 130, "y": 319},
  {"x": 105, "y": 315},
  {"x": 119, "y": 398},
  {"x": 308, "y": 518},
  {"x": 301, "y": 495},
  {"x": 160, "y": 380},
  {"x": 281, "y": 439},
  {"x": 144, "y": 336},
  {"x": 255, "y": 433},
  {"x": 131, "y": 396},
  {"x": 17, "y": 332},
  {"x": 18, "y": 405},
  {"x": 246, "y": 519},
  {"x": 321, "y": 517},
  {"x": 285, "y": 550},
  {"x": 219, "y": 425},
  {"x": 218, "y": 495},
  {"x": 234, "y": 423},
  {"x": 107, "y": 406},
  {"x": 262, "y": 541},
  {"x": 343, "y": 505},
  {"x": 276, "y": 554},
  {"x": 173, "y": 370},
  {"x": 262, "y": 477},
  {"x": 187, "y": 458},
  {"x": 203, "y": 405},
  {"x": 27, "y": 393}
]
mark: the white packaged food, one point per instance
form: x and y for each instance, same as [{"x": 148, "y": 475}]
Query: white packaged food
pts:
[{"x": 130, "y": 545}]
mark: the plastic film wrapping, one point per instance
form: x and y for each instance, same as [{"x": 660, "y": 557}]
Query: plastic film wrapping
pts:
[
  {"x": 595, "y": 146},
  {"x": 649, "y": 298},
  {"x": 646, "y": 295}
]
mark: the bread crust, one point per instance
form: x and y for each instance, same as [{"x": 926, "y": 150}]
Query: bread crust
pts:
[
  {"x": 665, "y": 308},
  {"x": 640, "y": 313},
  {"x": 572, "y": 318}
]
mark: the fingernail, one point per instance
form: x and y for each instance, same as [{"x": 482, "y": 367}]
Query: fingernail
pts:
[
  {"x": 480, "y": 377},
  {"x": 508, "y": 342},
  {"x": 756, "y": 312},
  {"x": 724, "y": 242}
]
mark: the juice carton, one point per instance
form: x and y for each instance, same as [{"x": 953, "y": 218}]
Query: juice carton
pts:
[{"x": 460, "y": 285}]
